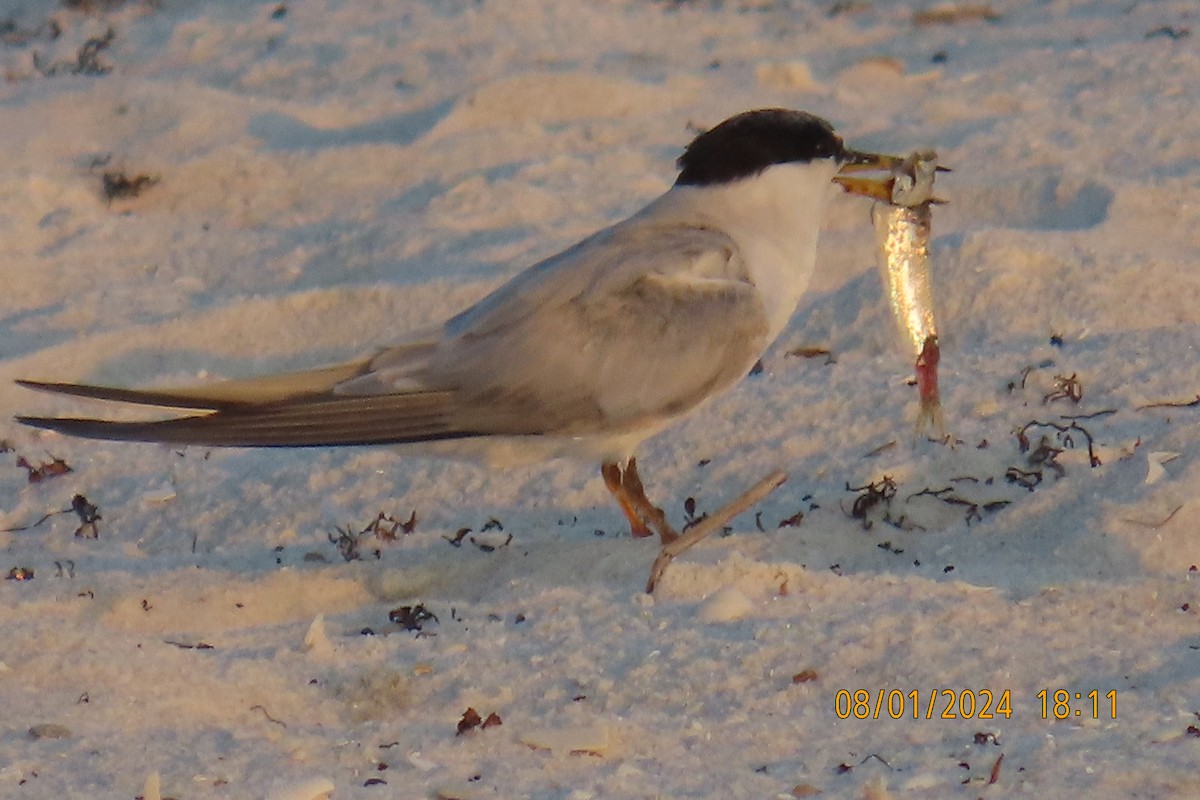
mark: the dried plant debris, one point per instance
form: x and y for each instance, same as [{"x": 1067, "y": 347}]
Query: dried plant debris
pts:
[
  {"x": 813, "y": 352},
  {"x": 952, "y": 14},
  {"x": 268, "y": 716},
  {"x": 471, "y": 720},
  {"x": 88, "y": 513},
  {"x": 1042, "y": 445},
  {"x": 197, "y": 645},
  {"x": 791, "y": 522},
  {"x": 1193, "y": 403},
  {"x": 458, "y": 537},
  {"x": 1026, "y": 479},
  {"x": 45, "y": 470},
  {"x": 883, "y": 448},
  {"x": 87, "y": 59},
  {"x": 1015, "y": 384},
  {"x": 1104, "y": 412},
  {"x": 1046, "y": 455},
  {"x": 412, "y": 618},
  {"x": 994, "y": 775},
  {"x": 119, "y": 186},
  {"x": 32, "y": 525},
  {"x": 384, "y": 528},
  {"x": 1065, "y": 388},
  {"x": 876, "y": 494},
  {"x": 347, "y": 543},
  {"x": 717, "y": 521},
  {"x": 486, "y": 543},
  {"x": 1064, "y": 436},
  {"x": 387, "y": 528},
  {"x": 972, "y": 509},
  {"x": 844, "y": 767},
  {"x": 690, "y": 518}
]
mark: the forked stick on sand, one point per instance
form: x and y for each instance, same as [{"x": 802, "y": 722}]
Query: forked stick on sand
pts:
[{"x": 711, "y": 523}]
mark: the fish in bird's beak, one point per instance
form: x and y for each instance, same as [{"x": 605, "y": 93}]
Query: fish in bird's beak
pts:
[
  {"x": 874, "y": 187},
  {"x": 907, "y": 180}
]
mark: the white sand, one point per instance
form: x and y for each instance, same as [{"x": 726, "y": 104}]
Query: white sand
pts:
[{"x": 352, "y": 170}]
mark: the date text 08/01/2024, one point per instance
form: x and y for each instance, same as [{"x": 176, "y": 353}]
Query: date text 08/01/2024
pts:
[{"x": 1056, "y": 704}]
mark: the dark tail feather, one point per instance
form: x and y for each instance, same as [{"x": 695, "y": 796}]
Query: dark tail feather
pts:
[{"x": 317, "y": 422}]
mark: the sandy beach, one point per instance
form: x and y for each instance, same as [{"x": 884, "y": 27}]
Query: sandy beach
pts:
[{"x": 205, "y": 189}]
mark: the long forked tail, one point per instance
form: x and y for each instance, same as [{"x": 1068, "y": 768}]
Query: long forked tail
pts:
[{"x": 285, "y": 411}]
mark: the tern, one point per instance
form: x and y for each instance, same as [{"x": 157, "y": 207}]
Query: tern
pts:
[{"x": 585, "y": 354}]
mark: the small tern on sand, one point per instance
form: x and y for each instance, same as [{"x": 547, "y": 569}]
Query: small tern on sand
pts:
[{"x": 586, "y": 353}]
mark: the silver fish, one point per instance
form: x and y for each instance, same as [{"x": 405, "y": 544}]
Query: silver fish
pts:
[{"x": 902, "y": 228}]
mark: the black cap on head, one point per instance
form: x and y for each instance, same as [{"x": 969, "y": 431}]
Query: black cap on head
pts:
[{"x": 748, "y": 143}]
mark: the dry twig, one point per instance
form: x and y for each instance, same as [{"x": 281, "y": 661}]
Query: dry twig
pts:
[{"x": 714, "y": 522}]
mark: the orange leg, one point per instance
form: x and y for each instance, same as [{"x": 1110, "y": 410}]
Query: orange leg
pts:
[
  {"x": 612, "y": 479},
  {"x": 644, "y": 517}
]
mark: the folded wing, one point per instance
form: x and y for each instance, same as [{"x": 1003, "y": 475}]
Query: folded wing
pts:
[{"x": 642, "y": 327}]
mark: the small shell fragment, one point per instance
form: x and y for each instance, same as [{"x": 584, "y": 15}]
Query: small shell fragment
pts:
[
  {"x": 461, "y": 792},
  {"x": 316, "y": 641},
  {"x": 1154, "y": 465},
  {"x": 152, "y": 790},
  {"x": 421, "y": 762},
  {"x": 587, "y": 738},
  {"x": 725, "y": 605},
  {"x": 163, "y": 494},
  {"x": 794, "y": 75},
  {"x": 310, "y": 789}
]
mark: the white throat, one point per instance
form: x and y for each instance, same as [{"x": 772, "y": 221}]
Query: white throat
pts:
[{"x": 774, "y": 217}]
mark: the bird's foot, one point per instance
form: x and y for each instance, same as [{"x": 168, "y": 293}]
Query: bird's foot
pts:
[{"x": 645, "y": 518}]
